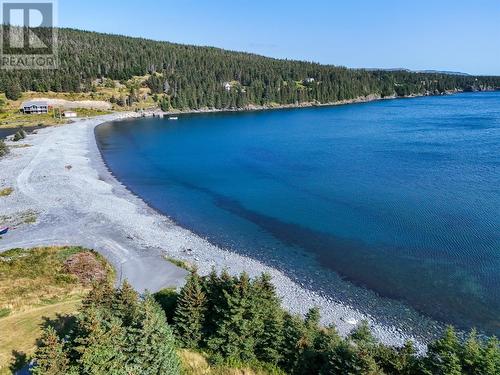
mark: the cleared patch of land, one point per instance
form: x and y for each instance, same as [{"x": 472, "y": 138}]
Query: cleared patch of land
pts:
[
  {"x": 106, "y": 95},
  {"x": 10, "y": 117},
  {"x": 38, "y": 285}
]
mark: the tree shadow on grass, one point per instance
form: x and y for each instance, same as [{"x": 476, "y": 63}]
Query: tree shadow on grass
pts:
[
  {"x": 62, "y": 323},
  {"x": 18, "y": 363}
]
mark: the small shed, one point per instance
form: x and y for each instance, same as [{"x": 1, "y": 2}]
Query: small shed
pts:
[{"x": 69, "y": 114}]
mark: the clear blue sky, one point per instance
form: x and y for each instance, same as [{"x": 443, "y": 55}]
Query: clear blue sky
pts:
[{"x": 458, "y": 35}]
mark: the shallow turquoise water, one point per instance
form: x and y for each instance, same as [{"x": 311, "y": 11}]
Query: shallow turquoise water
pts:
[{"x": 400, "y": 197}]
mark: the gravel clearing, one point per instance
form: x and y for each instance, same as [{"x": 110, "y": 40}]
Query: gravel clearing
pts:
[{"x": 62, "y": 180}]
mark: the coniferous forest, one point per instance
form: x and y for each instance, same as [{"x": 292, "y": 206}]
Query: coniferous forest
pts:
[
  {"x": 193, "y": 77},
  {"x": 236, "y": 320}
]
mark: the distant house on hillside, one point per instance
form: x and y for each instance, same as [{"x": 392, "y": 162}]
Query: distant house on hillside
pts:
[
  {"x": 227, "y": 86},
  {"x": 309, "y": 80},
  {"x": 35, "y": 107}
]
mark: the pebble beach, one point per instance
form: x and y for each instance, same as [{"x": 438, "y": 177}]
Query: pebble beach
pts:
[{"x": 63, "y": 194}]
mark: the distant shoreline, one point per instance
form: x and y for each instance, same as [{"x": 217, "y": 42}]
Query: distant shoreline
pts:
[
  {"x": 252, "y": 107},
  {"x": 359, "y": 100}
]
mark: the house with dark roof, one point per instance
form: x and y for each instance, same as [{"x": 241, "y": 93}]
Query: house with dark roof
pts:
[{"x": 35, "y": 107}]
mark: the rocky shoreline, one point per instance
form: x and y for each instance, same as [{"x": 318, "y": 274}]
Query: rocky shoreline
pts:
[
  {"x": 253, "y": 107},
  {"x": 85, "y": 205}
]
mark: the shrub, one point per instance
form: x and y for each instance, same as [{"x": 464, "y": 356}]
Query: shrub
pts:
[
  {"x": 4, "y": 312},
  {"x": 6, "y": 192},
  {"x": 20, "y": 134},
  {"x": 4, "y": 149}
]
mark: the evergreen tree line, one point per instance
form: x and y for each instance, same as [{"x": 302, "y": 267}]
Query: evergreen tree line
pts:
[
  {"x": 237, "y": 319},
  {"x": 194, "y": 77}
]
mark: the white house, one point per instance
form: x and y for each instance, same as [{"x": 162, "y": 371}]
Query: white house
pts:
[
  {"x": 69, "y": 114},
  {"x": 227, "y": 86},
  {"x": 35, "y": 107}
]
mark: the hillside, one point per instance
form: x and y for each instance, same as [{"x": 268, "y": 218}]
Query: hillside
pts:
[{"x": 183, "y": 76}]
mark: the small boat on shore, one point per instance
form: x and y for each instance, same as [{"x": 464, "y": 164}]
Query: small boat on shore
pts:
[
  {"x": 4, "y": 231},
  {"x": 173, "y": 118}
]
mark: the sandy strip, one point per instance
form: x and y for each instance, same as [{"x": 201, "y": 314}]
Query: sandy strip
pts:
[{"x": 62, "y": 180}]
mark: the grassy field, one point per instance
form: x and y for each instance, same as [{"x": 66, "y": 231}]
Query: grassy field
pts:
[
  {"x": 12, "y": 118},
  {"x": 19, "y": 331},
  {"x": 37, "y": 285},
  {"x": 194, "y": 363}
]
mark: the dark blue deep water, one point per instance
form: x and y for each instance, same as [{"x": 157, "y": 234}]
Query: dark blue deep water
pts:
[{"x": 399, "y": 197}]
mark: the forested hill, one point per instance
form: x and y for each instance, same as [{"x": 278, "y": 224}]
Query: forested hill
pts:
[{"x": 196, "y": 77}]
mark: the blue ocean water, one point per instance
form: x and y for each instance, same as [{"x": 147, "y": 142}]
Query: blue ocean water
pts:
[{"x": 398, "y": 197}]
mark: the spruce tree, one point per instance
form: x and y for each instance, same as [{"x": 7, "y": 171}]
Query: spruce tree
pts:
[
  {"x": 125, "y": 303},
  {"x": 312, "y": 319},
  {"x": 50, "y": 357},
  {"x": 294, "y": 342},
  {"x": 269, "y": 339},
  {"x": 362, "y": 335},
  {"x": 214, "y": 287},
  {"x": 153, "y": 352},
  {"x": 116, "y": 333},
  {"x": 100, "y": 342},
  {"x": 389, "y": 359},
  {"x": 190, "y": 313},
  {"x": 101, "y": 294},
  {"x": 408, "y": 362},
  {"x": 443, "y": 354},
  {"x": 471, "y": 357},
  {"x": 490, "y": 363},
  {"x": 348, "y": 358},
  {"x": 234, "y": 337},
  {"x": 315, "y": 357}
]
